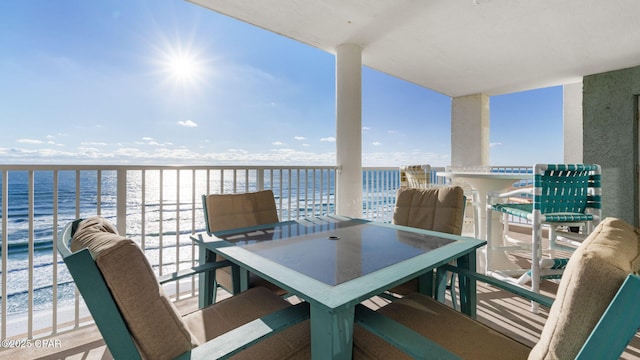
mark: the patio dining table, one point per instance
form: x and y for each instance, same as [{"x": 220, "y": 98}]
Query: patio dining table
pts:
[{"x": 334, "y": 263}]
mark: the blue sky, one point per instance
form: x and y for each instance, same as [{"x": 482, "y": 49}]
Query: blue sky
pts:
[{"x": 166, "y": 81}]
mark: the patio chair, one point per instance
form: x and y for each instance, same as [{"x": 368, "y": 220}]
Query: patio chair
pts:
[
  {"x": 438, "y": 209},
  {"x": 415, "y": 176},
  {"x": 231, "y": 211},
  {"x": 562, "y": 195},
  {"x": 594, "y": 314},
  {"x": 138, "y": 320},
  {"x": 419, "y": 177}
]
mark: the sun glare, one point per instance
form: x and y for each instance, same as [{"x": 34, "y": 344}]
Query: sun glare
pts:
[{"x": 183, "y": 68}]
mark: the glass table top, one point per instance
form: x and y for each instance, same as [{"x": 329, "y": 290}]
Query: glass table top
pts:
[{"x": 334, "y": 252}]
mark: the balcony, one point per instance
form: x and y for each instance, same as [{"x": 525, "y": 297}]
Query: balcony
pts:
[{"x": 160, "y": 207}]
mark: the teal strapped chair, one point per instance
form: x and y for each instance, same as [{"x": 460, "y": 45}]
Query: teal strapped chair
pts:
[
  {"x": 563, "y": 196},
  {"x": 139, "y": 321}
]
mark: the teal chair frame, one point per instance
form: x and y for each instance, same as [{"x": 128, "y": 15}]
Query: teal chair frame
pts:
[
  {"x": 562, "y": 195},
  {"x": 112, "y": 326}
]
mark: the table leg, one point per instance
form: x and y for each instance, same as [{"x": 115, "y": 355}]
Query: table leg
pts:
[
  {"x": 441, "y": 285},
  {"x": 331, "y": 332},
  {"x": 468, "y": 290},
  {"x": 425, "y": 283},
  {"x": 207, "y": 280},
  {"x": 240, "y": 279}
]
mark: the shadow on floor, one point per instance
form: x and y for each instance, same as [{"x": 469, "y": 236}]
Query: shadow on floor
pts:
[{"x": 498, "y": 309}]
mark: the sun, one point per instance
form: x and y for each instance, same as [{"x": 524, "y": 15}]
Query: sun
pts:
[{"x": 184, "y": 68}]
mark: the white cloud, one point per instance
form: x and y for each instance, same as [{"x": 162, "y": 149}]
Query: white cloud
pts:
[
  {"x": 277, "y": 143},
  {"x": 494, "y": 144},
  {"x": 91, "y": 153},
  {"x": 392, "y": 131},
  {"x": 29, "y": 141},
  {"x": 284, "y": 151},
  {"x": 93, "y": 143},
  {"x": 365, "y": 128},
  {"x": 187, "y": 123},
  {"x": 299, "y": 137},
  {"x": 151, "y": 141},
  {"x": 329, "y": 139},
  {"x": 376, "y": 143},
  {"x": 401, "y": 157},
  {"x": 237, "y": 151}
]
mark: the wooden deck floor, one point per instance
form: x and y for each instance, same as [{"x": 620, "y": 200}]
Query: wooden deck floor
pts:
[{"x": 498, "y": 309}]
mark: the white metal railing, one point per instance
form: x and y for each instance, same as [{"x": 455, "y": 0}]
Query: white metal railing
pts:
[
  {"x": 157, "y": 206},
  {"x": 379, "y": 193}
]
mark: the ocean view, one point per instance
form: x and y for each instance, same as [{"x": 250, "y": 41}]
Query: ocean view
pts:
[{"x": 159, "y": 216}]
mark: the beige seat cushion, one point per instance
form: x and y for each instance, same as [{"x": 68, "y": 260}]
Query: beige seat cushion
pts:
[
  {"x": 459, "y": 333},
  {"x": 225, "y": 279},
  {"x": 439, "y": 209},
  {"x": 210, "y": 322},
  {"x": 591, "y": 279}
]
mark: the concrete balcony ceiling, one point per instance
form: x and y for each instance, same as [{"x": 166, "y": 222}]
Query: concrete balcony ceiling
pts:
[{"x": 461, "y": 47}]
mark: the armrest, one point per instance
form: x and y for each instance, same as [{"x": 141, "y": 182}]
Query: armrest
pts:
[
  {"x": 512, "y": 288},
  {"x": 234, "y": 341},
  {"x": 497, "y": 195},
  {"x": 617, "y": 332},
  {"x": 399, "y": 335},
  {"x": 193, "y": 271}
]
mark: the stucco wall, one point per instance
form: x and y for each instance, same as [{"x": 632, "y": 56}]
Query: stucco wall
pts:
[{"x": 611, "y": 137}]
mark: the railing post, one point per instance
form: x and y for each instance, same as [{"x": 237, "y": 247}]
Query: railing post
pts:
[
  {"x": 5, "y": 254},
  {"x": 121, "y": 202},
  {"x": 68, "y": 184},
  {"x": 259, "y": 179}
]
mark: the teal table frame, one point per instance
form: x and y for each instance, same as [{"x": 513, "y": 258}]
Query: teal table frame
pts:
[{"x": 332, "y": 308}]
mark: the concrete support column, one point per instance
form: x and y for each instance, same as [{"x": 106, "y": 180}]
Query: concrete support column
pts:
[
  {"x": 349, "y": 130},
  {"x": 470, "y": 130},
  {"x": 572, "y": 122}
]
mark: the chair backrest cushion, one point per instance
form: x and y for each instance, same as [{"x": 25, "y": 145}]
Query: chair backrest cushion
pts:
[
  {"x": 439, "y": 208},
  {"x": 91, "y": 234},
  {"x": 595, "y": 272},
  {"x": 151, "y": 316},
  {"x": 230, "y": 211}
]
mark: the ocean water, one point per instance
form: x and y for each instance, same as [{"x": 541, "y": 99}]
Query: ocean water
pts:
[{"x": 158, "y": 218}]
